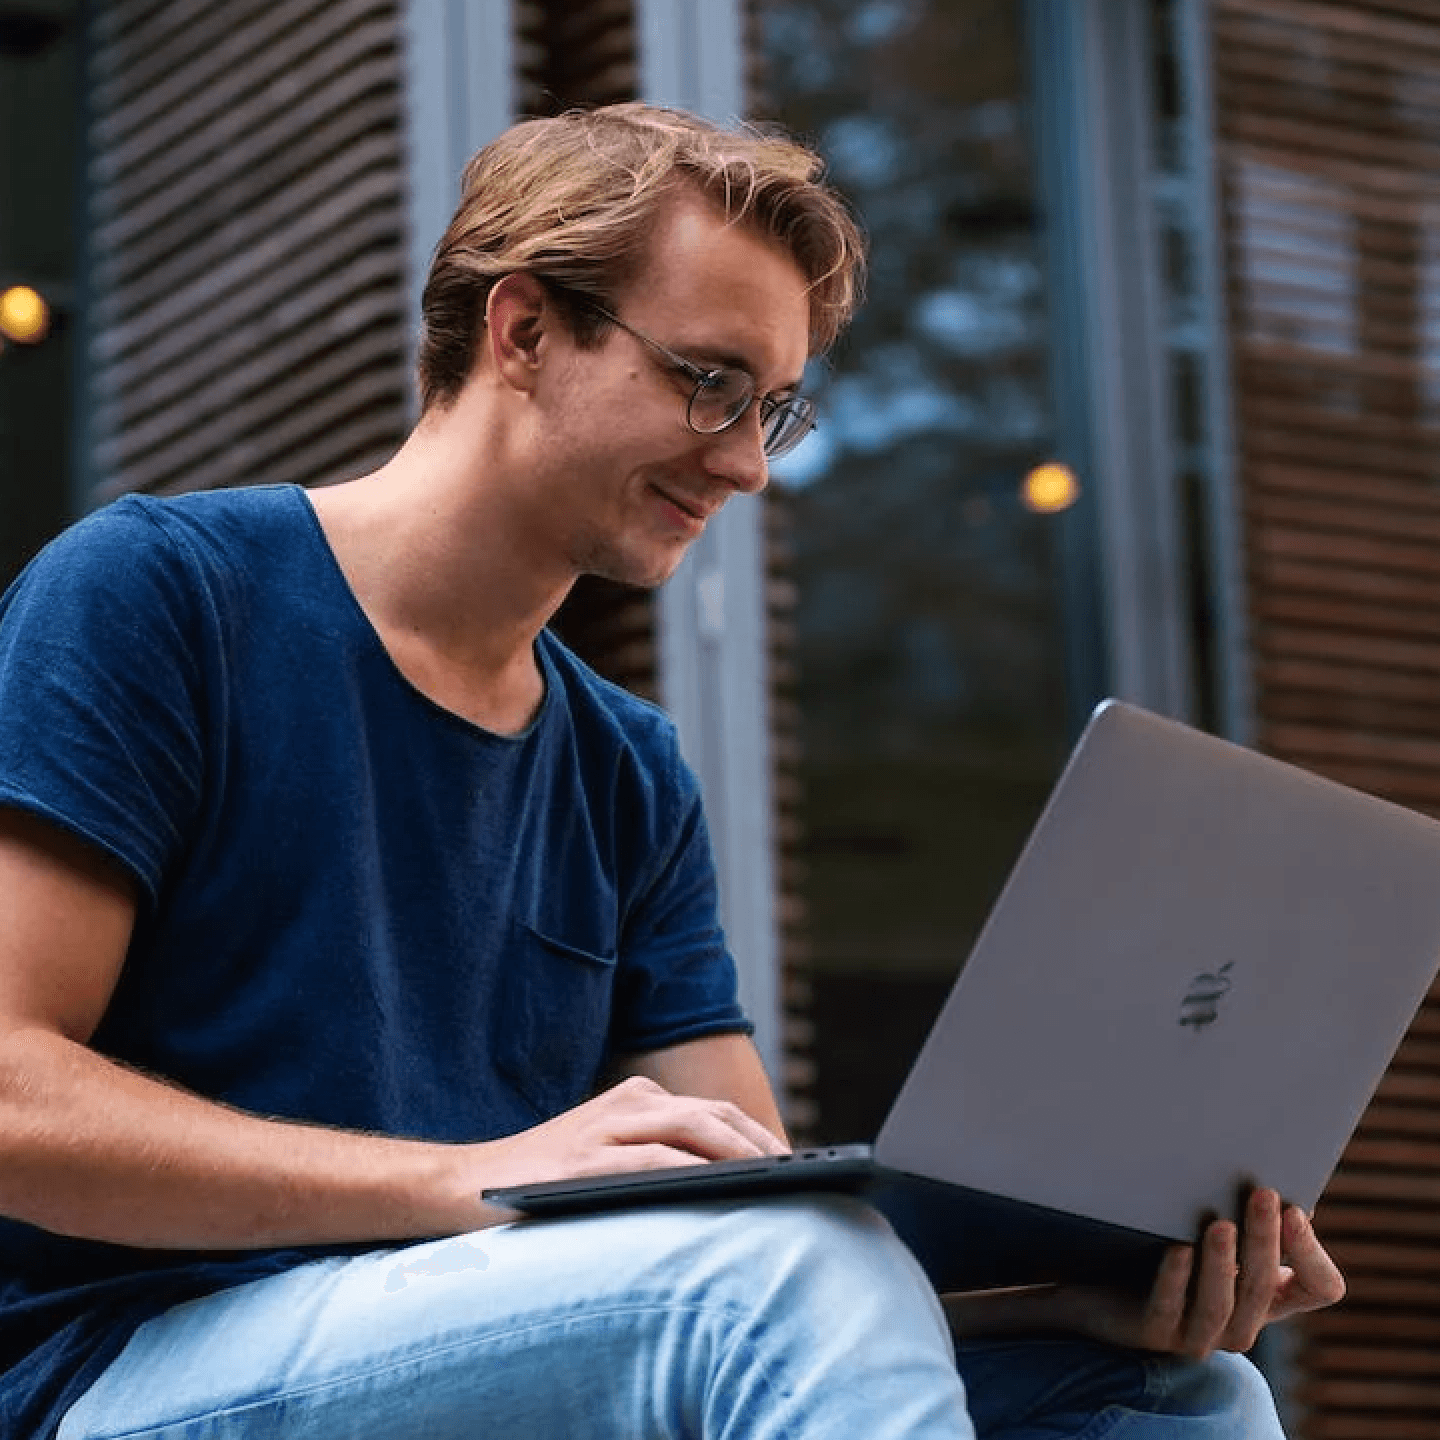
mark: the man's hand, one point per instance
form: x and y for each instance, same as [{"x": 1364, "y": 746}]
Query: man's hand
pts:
[
  {"x": 1276, "y": 1268},
  {"x": 636, "y": 1125}
]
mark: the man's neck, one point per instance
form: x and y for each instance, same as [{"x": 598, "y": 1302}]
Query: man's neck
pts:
[{"x": 435, "y": 562}]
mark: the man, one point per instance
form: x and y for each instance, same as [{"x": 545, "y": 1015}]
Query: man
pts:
[{"x": 334, "y": 885}]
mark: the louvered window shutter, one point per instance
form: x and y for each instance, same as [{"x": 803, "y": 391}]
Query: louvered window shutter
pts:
[
  {"x": 246, "y": 218},
  {"x": 1329, "y": 134}
]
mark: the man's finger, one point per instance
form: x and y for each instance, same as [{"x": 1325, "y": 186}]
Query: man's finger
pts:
[
  {"x": 751, "y": 1128},
  {"x": 648, "y": 1156},
  {"x": 1316, "y": 1280},
  {"x": 1214, "y": 1299},
  {"x": 1260, "y": 1276},
  {"x": 710, "y": 1129},
  {"x": 706, "y": 1129},
  {"x": 1164, "y": 1317},
  {"x": 713, "y": 1129}
]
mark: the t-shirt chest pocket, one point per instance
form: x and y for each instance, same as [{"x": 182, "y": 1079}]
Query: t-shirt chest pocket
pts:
[{"x": 552, "y": 1024}]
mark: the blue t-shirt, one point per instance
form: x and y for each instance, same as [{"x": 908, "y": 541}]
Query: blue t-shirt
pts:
[{"x": 357, "y": 908}]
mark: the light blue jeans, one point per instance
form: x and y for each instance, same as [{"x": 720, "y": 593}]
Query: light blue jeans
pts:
[{"x": 786, "y": 1320}]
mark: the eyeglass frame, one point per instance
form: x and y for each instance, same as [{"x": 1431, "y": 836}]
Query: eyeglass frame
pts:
[{"x": 795, "y": 405}]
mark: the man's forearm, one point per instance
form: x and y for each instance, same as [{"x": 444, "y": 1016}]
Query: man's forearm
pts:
[{"x": 90, "y": 1149}]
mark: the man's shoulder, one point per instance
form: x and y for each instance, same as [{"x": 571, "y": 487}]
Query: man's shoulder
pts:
[
  {"x": 147, "y": 533},
  {"x": 215, "y": 519},
  {"x": 626, "y": 719}
]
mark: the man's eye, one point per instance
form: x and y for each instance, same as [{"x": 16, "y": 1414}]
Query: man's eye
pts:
[{"x": 727, "y": 387}]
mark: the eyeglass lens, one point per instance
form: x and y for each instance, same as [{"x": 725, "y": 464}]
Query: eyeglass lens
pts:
[
  {"x": 787, "y": 425},
  {"x": 723, "y": 397}
]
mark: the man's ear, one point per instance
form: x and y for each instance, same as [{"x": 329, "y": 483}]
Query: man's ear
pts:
[{"x": 518, "y": 321}]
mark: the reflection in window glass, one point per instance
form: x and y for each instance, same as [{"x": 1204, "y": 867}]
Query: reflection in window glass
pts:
[{"x": 931, "y": 632}]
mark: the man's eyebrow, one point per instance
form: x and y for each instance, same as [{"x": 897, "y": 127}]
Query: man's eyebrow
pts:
[{"x": 716, "y": 359}]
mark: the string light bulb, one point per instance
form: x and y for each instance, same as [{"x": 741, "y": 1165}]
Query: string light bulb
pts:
[
  {"x": 24, "y": 315},
  {"x": 1050, "y": 488}
]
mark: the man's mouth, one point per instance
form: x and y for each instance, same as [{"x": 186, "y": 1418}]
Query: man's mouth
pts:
[{"x": 692, "y": 509}]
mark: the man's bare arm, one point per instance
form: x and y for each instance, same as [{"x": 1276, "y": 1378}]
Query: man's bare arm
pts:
[{"x": 89, "y": 1148}]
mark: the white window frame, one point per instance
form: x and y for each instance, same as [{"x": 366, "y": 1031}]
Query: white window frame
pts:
[
  {"x": 460, "y": 69},
  {"x": 1111, "y": 367}
]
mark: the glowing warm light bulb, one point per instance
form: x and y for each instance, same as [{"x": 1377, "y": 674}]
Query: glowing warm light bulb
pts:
[
  {"x": 24, "y": 315},
  {"x": 1050, "y": 488}
]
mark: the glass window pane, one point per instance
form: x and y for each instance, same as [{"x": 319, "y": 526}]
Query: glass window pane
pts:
[{"x": 931, "y": 622}]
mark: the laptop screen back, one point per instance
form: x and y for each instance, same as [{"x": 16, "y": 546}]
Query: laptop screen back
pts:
[{"x": 1192, "y": 982}]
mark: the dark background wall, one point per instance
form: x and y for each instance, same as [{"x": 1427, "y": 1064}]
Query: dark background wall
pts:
[{"x": 39, "y": 189}]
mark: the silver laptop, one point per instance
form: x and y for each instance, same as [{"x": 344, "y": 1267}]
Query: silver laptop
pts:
[{"x": 1191, "y": 984}]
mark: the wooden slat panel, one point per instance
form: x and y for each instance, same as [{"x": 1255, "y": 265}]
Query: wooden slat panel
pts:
[
  {"x": 1357, "y": 1183},
  {"x": 1372, "y": 30},
  {"x": 1326, "y": 450},
  {"x": 593, "y": 51},
  {"x": 139, "y": 43},
  {"x": 264, "y": 183},
  {"x": 1301, "y": 593},
  {"x": 1392, "y": 493},
  {"x": 785, "y": 722},
  {"x": 1266, "y": 187},
  {"x": 152, "y": 359},
  {"x": 1337, "y": 1425},
  {"x": 1352, "y": 88},
  {"x": 530, "y": 56},
  {"x": 1380, "y": 1326},
  {"x": 1320, "y": 364},
  {"x": 266, "y": 199},
  {"x": 1329, "y": 118},
  {"x": 181, "y": 159},
  {"x": 248, "y": 207},
  {"x": 209, "y": 361},
  {"x": 1371, "y": 158},
  {"x": 1397, "y": 534}
]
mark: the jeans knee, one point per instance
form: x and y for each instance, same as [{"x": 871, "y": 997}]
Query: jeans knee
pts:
[
  {"x": 1231, "y": 1391},
  {"x": 830, "y": 1255},
  {"x": 1246, "y": 1390},
  {"x": 828, "y": 1231}
]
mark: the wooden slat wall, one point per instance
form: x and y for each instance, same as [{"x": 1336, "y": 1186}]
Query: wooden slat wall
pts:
[
  {"x": 1329, "y": 121},
  {"x": 246, "y": 222}
]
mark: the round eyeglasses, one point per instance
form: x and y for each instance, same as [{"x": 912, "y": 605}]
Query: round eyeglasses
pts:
[{"x": 721, "y": 397}]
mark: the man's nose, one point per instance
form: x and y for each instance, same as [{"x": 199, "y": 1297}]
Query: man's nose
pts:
[{"x": 737, "y": 455}]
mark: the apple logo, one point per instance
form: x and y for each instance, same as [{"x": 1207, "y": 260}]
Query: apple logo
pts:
[{"x": 1201, "y": 1005}]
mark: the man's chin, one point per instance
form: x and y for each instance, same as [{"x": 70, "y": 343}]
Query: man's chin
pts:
[
  {"x": 648, "y": 572},
  {"x": 632, "y": 580}
]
